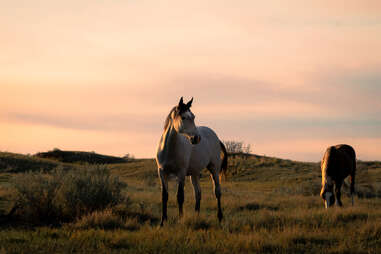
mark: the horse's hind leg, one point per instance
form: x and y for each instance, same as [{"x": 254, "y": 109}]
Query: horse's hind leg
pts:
[
  {"x": 164, "y": 195},
  {"x": 217, "y": 191},
  {"x": 195, "y": 178},
  {"x": 338, "y": 193},
  {"x": 180, "y": 193},
  {"x": 352, "y": 186}
]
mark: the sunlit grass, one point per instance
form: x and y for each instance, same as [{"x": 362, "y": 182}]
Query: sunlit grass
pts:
[{"x": 262, "y": 214}]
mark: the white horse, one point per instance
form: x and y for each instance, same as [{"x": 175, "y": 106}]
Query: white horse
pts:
[{"x": 184, "y": 150}]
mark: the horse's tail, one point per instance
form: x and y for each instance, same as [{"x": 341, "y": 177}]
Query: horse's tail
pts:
[
  {"x": 224, "y": 164},
  {"x": 353, "y": 174}
]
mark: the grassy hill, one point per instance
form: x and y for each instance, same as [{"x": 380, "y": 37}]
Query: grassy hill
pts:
[
  {"x": 79, "y": 157},
  {"x": 16, "y": 163},
  {"x": 270, "y": 205}
]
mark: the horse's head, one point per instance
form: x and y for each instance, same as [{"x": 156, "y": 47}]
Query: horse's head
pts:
[
  {"x": 183, "y": 121},
  {"x": 327, "y": 195}
]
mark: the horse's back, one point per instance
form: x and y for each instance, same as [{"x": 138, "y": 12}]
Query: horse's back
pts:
[
  {"x": 208, "y": 150},
  {"x": 213, "y": 142},
  {"x": 339, "y": 160},
  {"x": 347, "y": 150},
  {"x": 208, "y": 133},
  {"x": 348, "y": 155}
]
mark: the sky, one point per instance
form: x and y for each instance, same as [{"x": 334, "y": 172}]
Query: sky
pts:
[{"x": 288, "y": 77}]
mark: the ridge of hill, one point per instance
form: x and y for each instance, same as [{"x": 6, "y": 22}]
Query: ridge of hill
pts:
[
  {"x": 79, "y": 157},
  {"x": 17, "y": 163}
]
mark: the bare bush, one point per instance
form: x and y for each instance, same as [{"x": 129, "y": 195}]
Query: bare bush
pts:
[
  {"x": 128, "y": 157},
  {"x": 236, "y": 146}
]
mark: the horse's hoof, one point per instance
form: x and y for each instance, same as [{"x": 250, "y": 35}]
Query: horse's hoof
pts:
[
  {"x": 162, "y": 221},
  {"x": 220, "y": 217}
]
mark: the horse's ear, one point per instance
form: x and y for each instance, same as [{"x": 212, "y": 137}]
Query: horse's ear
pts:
[
  {"x": 181, "y": 102},
  {"x": 189, "y": 104}
]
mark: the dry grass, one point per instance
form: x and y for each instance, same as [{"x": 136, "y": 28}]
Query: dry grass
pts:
[
  {"x": 105, "y": 219},
  {"x": 270, "y": 206}
]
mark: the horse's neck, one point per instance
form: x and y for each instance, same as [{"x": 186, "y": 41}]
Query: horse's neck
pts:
[
  {"x": 169, "y": 143},
  {"x": 326, "y": 179}
]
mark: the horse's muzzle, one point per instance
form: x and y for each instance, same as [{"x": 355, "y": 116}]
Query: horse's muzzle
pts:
[
  {"x": 329, "y": 199},
  {"x": 195, "y": 139}
]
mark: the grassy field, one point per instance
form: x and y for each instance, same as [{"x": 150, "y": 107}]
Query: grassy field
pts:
[{"x": 270, "y": 205}]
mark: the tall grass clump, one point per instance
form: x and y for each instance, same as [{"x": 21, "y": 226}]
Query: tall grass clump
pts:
[
  {"x": 86, "y": 190},
  {"x": 65, "y": 196},
  {"x": 105, "y": 219}
]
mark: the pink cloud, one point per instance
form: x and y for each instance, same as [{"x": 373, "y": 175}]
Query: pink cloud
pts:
[{"x": 265, "y": 72}]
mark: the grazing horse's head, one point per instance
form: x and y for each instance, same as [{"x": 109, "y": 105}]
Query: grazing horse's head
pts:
[
  {"x": 183, "y": 121},
  {"x": 327, "y": 193}
]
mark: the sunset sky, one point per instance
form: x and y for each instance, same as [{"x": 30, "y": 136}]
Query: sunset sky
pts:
[{"x": 288, "y": 77}]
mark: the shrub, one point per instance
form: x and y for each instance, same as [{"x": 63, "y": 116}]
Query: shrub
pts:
[
  {"x": 87, "y": 190},
  {"x": 66, "y": 195},
  {"x": 35, "y": 194}
]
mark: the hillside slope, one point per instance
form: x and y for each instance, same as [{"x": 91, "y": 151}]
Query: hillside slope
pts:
[
  {"x": 270, "y": 205},
  {"x": 16, "y": 163},
  {"x": 240, "y": 168},
  {"x": 80, "y": 157}
]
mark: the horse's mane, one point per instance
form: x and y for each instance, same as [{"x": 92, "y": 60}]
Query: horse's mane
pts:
[
  {"x": 178, "y": 110},
  {"x": 326, "y": 164},
  {"x": 168, "y": 119},
  {"x": 332, "y": 156},
  {"x": 329, "y": 160}
]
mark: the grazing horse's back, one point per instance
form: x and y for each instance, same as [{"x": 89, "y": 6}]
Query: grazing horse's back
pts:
[
  {"x": 350, "y": 152},
  {"x": 339, "y": 161}
]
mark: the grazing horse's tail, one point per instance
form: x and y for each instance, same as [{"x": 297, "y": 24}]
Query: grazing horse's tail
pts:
[
  {"x": 353, "y": 174},
  {"x": 224, "y": 165}
]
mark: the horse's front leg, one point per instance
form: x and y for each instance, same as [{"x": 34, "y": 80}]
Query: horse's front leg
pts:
[
  {"x": 180, "y": 193},
  {"x": 338, "y": 193},
  {"x": 164, "y": 195}
]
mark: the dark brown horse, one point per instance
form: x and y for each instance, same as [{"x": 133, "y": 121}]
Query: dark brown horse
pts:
[{"x": 338, "y": 162}]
